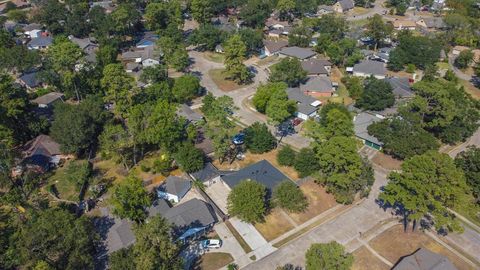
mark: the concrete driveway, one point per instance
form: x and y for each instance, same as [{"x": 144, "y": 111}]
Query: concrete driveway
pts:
[{"x": 218, "y": 192}]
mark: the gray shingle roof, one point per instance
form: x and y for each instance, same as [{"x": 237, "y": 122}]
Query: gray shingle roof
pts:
[
  {"x": 424, "y": 259},
  {"x": 300, "y": 53},
  {"x": 194, "y": 212},
  {"x": 434, "y": 22},
  {"x": 370, "y": 67},
  {"x": 32, "y": 26},
  {"x": 275, "y": 46},
  {"x": 346, "y": 4},
  {"x": 297, "y": 95},
  {"x": 120, "y": 235},
  {"x": 262, "y": 172},
  {"x": 30, "y": 79},
  {"x": 175, "y": 185},
  {"x": 361, "y": 123},
  {"x": 189, "y": 114},
  {"x": 48, "y": 99},
  {"x": 82, "y": 42},
  {"x": 208, "y": 173},
  {"x": 401, "y": 87},
  {"x": 315, "y": 66},
  {"x": 40, "y": 41},
  {"x": 318, "y": 84}
]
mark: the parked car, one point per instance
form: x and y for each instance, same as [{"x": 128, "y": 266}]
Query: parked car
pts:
[
  {"x": 296, "y": 121},
  {"x": 239, "y": 139},
  {"x": 212, "y": 243}
]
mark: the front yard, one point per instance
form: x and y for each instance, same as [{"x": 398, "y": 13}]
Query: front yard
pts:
[
  {"x": 275, "y": 224},
  {"x": 364, "y": 259},
  {"x": 219, "y": 78},
  {"x": 213, "y": 261}
]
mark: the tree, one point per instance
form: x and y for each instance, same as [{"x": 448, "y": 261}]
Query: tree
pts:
[
  {"x": 264, "y": 93},
  {"x": 125, "y": 19},
  {"x": 116, "y": 143},
  {"x": 354, "y": 86},
  {"x": 56, "y": 236},
  {"x": 286, "y": 156},
  {"x": 73, "y": 128},
  {"x": 163, "y": 127},
  {"x": 403, "y": 139},
  {"x": 328, "y": 256},
  {"x": 155, "y": 247},
  {"x": 253, "y": 39},
  {"x": 258, "y": 138},
  {"x": 344, "y": 173},
  {"x": 159, "y": 15},
  {"x": 202, "y": 10},
  {"x": 469, "y": 162},
  {"x": 464, "y": 59},
  {"x": 78, "y": 173},
  {"x": 427, "y": 185},
  {"x": 189, "y": 158},
  {"x": 130, "y": 199},
  {"x": 289, "y": 196},
  {"x": 154, "y": 74},
  {"x": 285, "y": 7},
  {"x": 377, "y": 95},
  {"x": 377, "y": 29},
  {"x": 418, "y": 50},
  {"x": 107, "y": 54},
  {"x": 122, "y": 259},
  {"x": 279, "y": 107},
  {"x": 247, "y": 201},
  {"x": 117, "y": 85},
  {"x": 338, "y": 123},
  {"x": 207, "y": 37},
  {"x": 235, "y": 51},
  {"x": 51, "y": 14},
  {"x": 289, "y": 71},
  {"x": 306, "y": 163},
  {"x": 300, "y": 36},
  {"x": 186, "y": 88},
  {"x": 179, "y": 60},
  {"x": 255, "y": 12}
]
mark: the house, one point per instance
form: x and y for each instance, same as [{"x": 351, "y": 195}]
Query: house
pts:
[
  {"x": 150, "y": 57},
  {"x": 318, "y": 87},
  {"x": 438, "y": 5},
  {"x": 317, "y": 67},
  {"x": 190, "y": 219},
  {"x": 30, "y": 80},
  {"x": 324, "y": 9},
  {"x": 297, "y": 52},
  {"x": 369, "y": 68},
  {"x": 48, "y": 100},
  {"x": 383, "y": 55},
  {"x": 307, "y": 106},
  {"x": 41, "y": 154},
  {"x": 404, "y": 25},
  {"x": 132, "y": 67},
  {"x": 272, "y": 47},
  {"x": 424, "y": 259},
  {"x": 458, "y": 49},
  {"x": 108, "y": 6},
  {"x": 431, "y": 23},
  {"x": 33, "y": 30},
  {"x": 361, "y": 122},
  {"x": 87, "y": 46},
  {"x": 173, "y": 189},
  {"x": 135, "y": 56},
  {"x": 204, "y": 143},
  {"x": 186, "y": 112},
  {"x": 120, "y": 235},
  {"x": 262, "y": 172},
  {"x": 40, "y": 43},
  {"x": 343, "y": 6},
  {"x": 219, "y": 48},
  {"x": 401, "y": 87},
  {"x": 148, "y": 39},
  {"x": 273, "y": 23}
]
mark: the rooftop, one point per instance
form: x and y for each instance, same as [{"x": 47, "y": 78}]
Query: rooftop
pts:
[
  {"x": 275, "y": 46},
  {"x": 316, "y": 66},
  {"x": 318, "y": 84},
  {"x": 361, "y": 122},
  {"x": 41, "y": 41},
  {"x": 185, "y": 111},
  {"x": 370, "y": 67},
  {"x": 175, "y": 185},
  {"x": 424, "y": 259},
  {"x": 31, "y": 79},
  {"x": 48, "y": 99},
  {"x": 300, "y": 53},
  {"x": 401, "y": 86}
]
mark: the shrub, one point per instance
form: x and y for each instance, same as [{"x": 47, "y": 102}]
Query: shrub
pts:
[
  {"x": 288, "y": 196},
  {"x": 286, "y": 156},
  {"x": 258, "y": 138},
  {"x": 306, "y": 163}
]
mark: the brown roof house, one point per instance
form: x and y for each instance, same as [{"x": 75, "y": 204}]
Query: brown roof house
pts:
[
  {"x": 42, "y": 153},
  {"x": 317, "y": 67},
  {"x": 318, "y": 87},
  {"x": 272, "y": 47}
]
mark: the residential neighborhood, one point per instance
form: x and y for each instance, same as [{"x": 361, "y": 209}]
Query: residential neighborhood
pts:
[{"x": 213, "y": 134}]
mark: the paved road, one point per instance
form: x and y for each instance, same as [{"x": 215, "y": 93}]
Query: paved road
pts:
[
  {"x": 244, "y": 114},
  {"x": 474, "y": 140},
  {"x": 377, "y": 9},
  {"x": 343, "y": 229},
  {"x": 458, "y": 72}
]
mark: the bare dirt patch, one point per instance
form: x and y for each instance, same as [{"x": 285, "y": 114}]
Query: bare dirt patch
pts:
[
  {"x": 219, "y": 78},
  {"x": 395, "y": 243},
  {"x": 213, "y": 261},
  {"x": 319, "y": 201},
  {"x": 364, "y": 259},
  {"x": 386, "y": 161},
  {"x": 275, "y": 225}
]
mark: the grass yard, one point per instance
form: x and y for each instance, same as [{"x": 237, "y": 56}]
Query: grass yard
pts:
[
  {"x": 394, "y": 244},
  {"x": 269, "y": 60},
  {"x": 253, "y": 158},
  {"x": 443, "y": 65},
  {"x": 214, "y": 57},
  {"x": 220, "y": 80},
  {"x": 357, "y": 11},
  {"x": 471, "y": 211},
  {"x": 364, "y": 259},
  {"x": 66, "y": 189},
  {"x": 275, "y": 225},
  {"x": 238, "y": 237},
  {"x": 319, "y": 201},
  {"x": 213, "y": 261},
  {"x": 386, "y": 161}
]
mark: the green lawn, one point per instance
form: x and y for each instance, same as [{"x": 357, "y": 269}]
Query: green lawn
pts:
[
  {"x": 66, "y": 189},
  {"x": 443, "y": 65},
  {"x": 219, "y": 78},
  {"x": 215, "y": 57},
  {"x": 469, "y": 210}
]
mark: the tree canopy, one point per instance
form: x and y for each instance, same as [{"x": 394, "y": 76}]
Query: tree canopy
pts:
[
  {"x": 189, "y": 158},
  {"x": 289, "y": 71},
  {"x": 427, "y": 185},
  {"x": 247, "y": 200},
  {"x": 235, "y": 52},
  {"x": 328, "y": 256},
  {"x": 130, "y": 199},
  {"x": 258, "y": 138},
  {"x": 377, "y": 95},
  {"x": 289, "y": 196},
  {"x": 469, "y": 162},
  {"x": 272, "y": 99}
]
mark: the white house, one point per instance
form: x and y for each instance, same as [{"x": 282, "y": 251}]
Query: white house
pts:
[{"x": 174, "y": 189}]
